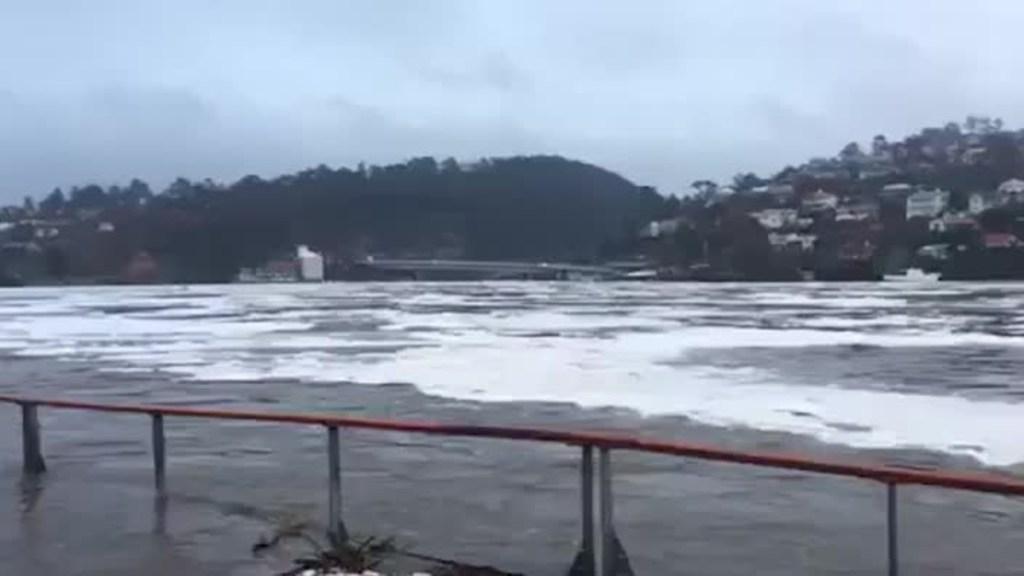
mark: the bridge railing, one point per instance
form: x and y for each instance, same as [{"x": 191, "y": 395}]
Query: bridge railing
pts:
[{"x": 600, "y": 550}]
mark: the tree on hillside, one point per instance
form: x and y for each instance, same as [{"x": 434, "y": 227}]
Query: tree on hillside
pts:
[
  {"x": 136, "y": 193},
  {"x": 89, "y": 197},
  {"x": 786, "y": 174},
  {"x": 996, "y": 220},
  {"x": 1003, "y": 157},
  {"x": 879, "y": 145},
  {"x": 958, "y": 201},
  {"x": 688, "y": 245},
  {"x": 53, "y": 204},
  {"x": 851, "y": 151},
  {"x": 746, "y": 181},
  {"x": 705, "y": 188},
  {"x": 450, "y": 166},
  {"x": 983, "y": 125}
]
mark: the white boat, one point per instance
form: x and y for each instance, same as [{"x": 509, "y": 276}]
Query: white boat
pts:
[{"x": 913, "y": 275}]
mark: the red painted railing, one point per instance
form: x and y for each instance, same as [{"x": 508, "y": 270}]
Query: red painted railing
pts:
[{"x": 890, "y": 476}]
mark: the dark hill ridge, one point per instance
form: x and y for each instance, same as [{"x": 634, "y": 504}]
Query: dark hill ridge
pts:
[{"x": 524, "y": 207}]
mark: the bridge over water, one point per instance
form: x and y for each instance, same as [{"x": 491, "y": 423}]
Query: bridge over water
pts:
[{"x": 481, "y": 269}]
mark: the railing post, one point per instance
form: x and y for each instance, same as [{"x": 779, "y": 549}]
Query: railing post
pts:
[
  {"x": 604, "y": 479},
  {"x": 31, "y": 441},
  {"x": 587, "y": 499},
  {"x": 614, "y": 561},
  {"x": 159, "y": 453},
  {"x": 336, "y": 526},
  {"x": 583, "y": 564},
  {"x": 893, "y": 533}
]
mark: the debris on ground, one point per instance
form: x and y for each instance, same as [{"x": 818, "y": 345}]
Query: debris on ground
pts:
[{"x": 369, "y": 557}]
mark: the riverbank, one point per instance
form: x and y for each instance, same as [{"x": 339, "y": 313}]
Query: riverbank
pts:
[{"x": 509, "y": 505}]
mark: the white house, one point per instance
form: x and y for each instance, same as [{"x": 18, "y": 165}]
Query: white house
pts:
[
  {"x": 780, "y": 192},
  {"x": 1011, "y": 191},
  {"x": 311, "y": 265},
  {"x": 662, "y": 228},
  {"x": 979, "y": 202},
  {"x": 805, "y": 242},
  {"x": 720, "y": 195},
  {"x": 926, "y": 203},
  {"x": 952, "y": 221},
  {"x": 937, "y": 251},
  {"x": 46, "y": 232},
  {"x": 819, "y": 201},
  {"x": 776, "y": 218},
  {"x": 857, "y": 212}
]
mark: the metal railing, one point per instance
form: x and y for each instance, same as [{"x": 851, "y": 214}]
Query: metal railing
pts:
[{"x": 600, "y": 552}]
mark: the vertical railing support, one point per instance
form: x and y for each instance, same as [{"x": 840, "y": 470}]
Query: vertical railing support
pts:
[
  {"x": 336, "y": 526},
  {"x": 583, "y": 564},
  {"x": 587, "y": 499},
  {"x": 607, "y": 530},
  {"x": 892, "y": 530},
  {"x": 31, "y": 440},
  {"x": 159, "y": 453},
  {"x": 614, "y": 561}
]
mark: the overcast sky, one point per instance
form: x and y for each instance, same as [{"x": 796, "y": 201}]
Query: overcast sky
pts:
[{"x": 663, "y": 91}]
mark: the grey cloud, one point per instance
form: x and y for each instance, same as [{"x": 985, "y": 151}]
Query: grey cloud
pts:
[{"x": 664, "y": 91}]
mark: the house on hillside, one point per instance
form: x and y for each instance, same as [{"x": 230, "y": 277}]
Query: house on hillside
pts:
[
  {"x": 720, "y": 195},
  {"x": 792, "y": 242},
  {"x": 934, "y": 251},
  {"x": 952, "y": 221},
  {"x": 877, "y": 169},
  {"x": 660, "y": 228},
  {"x": 897, "y": 191},
  {"x": 780, "y": 193},
  {"x": 46, "y": 232},
  {"x": 980, "y": 201},
  {"x": 22, "y": 260},
  {"x": 819, "y": 201},
  {"x": 825, "y": 169},
  {"x": 927, "y": 203},
  {"x": 141, "y": 269},
  {"x": 973, "y": 155},
  {"x": 1000, "y": 241},
  {"x": 857, "y": 211},
  {"x": 776, "y": 218},
  {"x": 1011, "y": 191}
]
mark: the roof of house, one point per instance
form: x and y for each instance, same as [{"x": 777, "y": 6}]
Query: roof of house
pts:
[
  {"x": 1000, "y": 240},
  {"x": 820, "y": 194},
  {"x": 1013, "y": 185},
  {"x": 897, "y": 187},
  {"x": 927, "y": 194}
]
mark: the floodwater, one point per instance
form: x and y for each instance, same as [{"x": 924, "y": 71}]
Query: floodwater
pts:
[{"x": 920, "y": 374}]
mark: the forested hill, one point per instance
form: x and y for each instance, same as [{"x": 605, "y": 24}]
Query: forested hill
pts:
[{"x": 532, "y": 208}]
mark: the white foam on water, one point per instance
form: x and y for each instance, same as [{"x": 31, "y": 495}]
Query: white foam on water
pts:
[
  {"x": 828, "y": 301},
  {"x": 632, "y": 346},
  {"x": 626, "y": 373},
  {"x": 890, "y": 320}
]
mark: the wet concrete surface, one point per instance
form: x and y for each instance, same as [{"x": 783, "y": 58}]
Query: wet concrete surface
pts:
[{"x": 509, "y": 504}]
